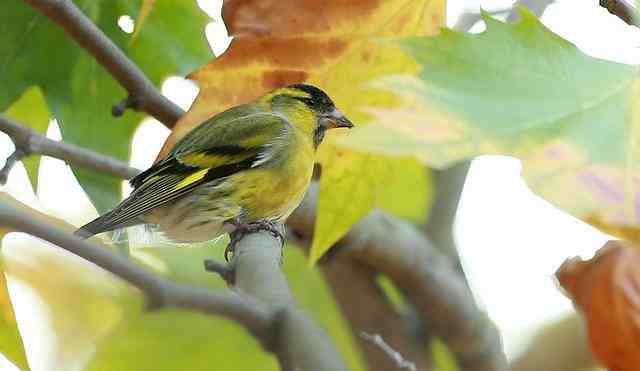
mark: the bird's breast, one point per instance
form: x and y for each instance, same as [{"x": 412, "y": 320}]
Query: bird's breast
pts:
[{"x": 274, "y": 191}]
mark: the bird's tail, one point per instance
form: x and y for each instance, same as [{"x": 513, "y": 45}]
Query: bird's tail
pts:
[{"x": 103, "y": 223}]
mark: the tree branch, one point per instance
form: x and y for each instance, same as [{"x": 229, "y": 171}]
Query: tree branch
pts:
[
  {"x": 449, "y": 183},
  {"x": 28, "y": 142},
  {"x": 395, "y": 248},
  {"x": 160, "y": 292},
  {"x": 143, "y": 95},
  {"x": 299, "y": 341},
  {"x": 282, "y": 329},
  {"x": 622, "y": 10}
]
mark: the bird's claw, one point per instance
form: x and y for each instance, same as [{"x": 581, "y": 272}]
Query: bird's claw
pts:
[{"x": 275, "y": 229}]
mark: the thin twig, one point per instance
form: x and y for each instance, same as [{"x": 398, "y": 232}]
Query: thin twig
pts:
[
  {"x": 127, "y": 103},
  {"x": 366, "y": 307},
  {"x": 159, "y": 291},
  {"x": 16, "y": 156},
  {"x": 148, "y": 99},
  {"x": 29, "y": 142},
  {"x": 399, "y": 360}
]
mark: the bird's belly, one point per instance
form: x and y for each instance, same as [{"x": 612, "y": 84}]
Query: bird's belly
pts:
[
  {"x": 197, "y": 217},
  {"x": 248, "y": 197}
]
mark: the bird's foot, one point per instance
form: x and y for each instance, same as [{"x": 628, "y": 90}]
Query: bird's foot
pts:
[{"x": 241, "y": 230}]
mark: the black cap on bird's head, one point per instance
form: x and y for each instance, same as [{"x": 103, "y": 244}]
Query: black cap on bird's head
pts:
[{"x": 329, "y": 115}]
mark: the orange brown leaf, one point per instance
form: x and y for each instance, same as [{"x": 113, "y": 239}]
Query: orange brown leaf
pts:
[{"x": 606, "y": 289}]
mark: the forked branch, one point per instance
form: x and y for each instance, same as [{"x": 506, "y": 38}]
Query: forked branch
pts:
[{"x": 143, "y": 95}]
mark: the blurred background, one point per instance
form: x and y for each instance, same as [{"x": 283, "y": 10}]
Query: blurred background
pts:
[{"x": 510, "y": 241}]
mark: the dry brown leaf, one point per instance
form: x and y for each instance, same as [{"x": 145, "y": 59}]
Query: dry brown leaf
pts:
[{"x": 606, "y": 289}]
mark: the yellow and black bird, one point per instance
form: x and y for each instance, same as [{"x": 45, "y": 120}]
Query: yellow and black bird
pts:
[{"x": 249, "y": 165}]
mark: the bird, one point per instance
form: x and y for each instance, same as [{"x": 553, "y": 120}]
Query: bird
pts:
[{"x": 246, "y": 168}]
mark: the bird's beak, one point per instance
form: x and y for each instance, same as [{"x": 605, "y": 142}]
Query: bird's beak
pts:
[{"x": 336, "y": 119}]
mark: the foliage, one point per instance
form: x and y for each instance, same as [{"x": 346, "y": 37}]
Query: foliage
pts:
[
  {"x": 569, "y": 117},
  {"x": 79, "y": 92},
  {"x": 332, "y": 46},
  {"x": 515, "y": 89}
]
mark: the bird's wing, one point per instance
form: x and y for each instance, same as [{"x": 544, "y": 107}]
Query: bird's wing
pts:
[{"x": 214, "y": 150}]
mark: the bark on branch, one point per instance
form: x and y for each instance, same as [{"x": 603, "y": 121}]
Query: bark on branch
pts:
[
  {"x": 143, "y": 95},
  {"x": 256, "y": 265},
  {"x": 28, "y": 142},
  {"x": 622, "y": 10}
]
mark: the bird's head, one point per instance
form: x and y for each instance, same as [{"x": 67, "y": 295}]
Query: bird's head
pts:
[{"x": 309, "y": 108}]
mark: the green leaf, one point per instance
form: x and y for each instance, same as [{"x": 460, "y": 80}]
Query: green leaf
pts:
[
  {"x": 32, "y": 111},
  {"x": 35, "y": 51},
  {"x": 520, "y": 90}
]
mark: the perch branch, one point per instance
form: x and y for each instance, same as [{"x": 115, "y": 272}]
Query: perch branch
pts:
[
  {"x": 143, "y": 95},
  {"x": 256, "y": 263},
  {"x": 281, "y": 328},
  {"x": 28, "y": 142},
  {"x": 622, "y": 10}
]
